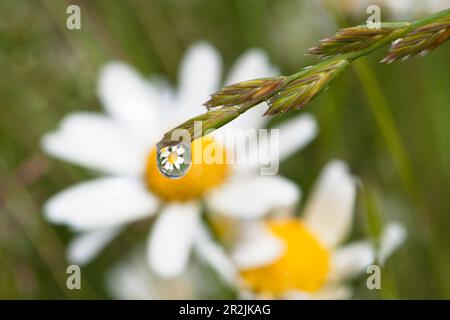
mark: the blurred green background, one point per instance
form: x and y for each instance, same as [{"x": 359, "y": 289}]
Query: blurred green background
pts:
[{"x": 389, "y": 122}]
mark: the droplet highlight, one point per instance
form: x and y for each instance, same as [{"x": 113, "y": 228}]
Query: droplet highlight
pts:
[{"x": 174, "y": 161}]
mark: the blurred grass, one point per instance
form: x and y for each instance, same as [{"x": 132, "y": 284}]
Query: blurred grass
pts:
[{"x": 390, "y": 123}]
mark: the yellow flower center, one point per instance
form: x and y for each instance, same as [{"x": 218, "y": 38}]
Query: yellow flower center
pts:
[
  {"x": 303, "y": 266},
  {"x": 200, "y": 178},
  {"x": 173, "y": 157}
]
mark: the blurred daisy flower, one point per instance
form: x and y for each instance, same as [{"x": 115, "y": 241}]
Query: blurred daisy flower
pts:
[
  {"x": 131, "y": 279},
  {"x": 120, "y": 144},
  {"x": 304, "y": 258}
]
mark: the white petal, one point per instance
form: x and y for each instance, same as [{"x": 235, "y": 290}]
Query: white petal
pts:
[
  {"x": 244, "y": 294},
  {"x": 130, "y": 100},
  {"x": 216, "y": 257},
  {"x": 328, "y": 292},
  {"x": 349, "y": 261},
  {"x": 166, "y": 94},
  {"x": 94, "y": 141},
  {"x": 258, "y": 247},
  {"x": 164, "y": 152},
  {"x": 333, "y": 292},
  {"x": 394, "y": 235},
  {"x": 254, "y": 150},
  {"x": 171, "y": 239},
  {"x": 131, "y": 279},
  {"x": 295, "y": 134},
  {"x": 253, "y": 197},
  {"x": 248, "y": 149},
  {"x": 199, "y": 77},
  {"x": 253, "y": 64},
  {"x": 101, "y": 203},
  {"x": 297, "y": 295},
  {"x": 251, "y": 119},
  {"x": 329, "y": 211},
  {"x": 87, "y": 246}
]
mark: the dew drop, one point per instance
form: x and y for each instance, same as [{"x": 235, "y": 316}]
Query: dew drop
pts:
[{"x": 174, "y": 161}]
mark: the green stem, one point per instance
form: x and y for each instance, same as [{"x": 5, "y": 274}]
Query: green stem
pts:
[
  {"x": 386, "y": 123},
  {"x": 402, "y": 29}
]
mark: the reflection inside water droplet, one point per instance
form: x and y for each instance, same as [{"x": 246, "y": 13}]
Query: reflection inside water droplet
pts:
[{"x": 174, "y": 161}]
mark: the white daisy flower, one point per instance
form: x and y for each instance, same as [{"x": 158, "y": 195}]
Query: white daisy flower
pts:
[
  {"x": 172, "y": 157},
  {"x": 304, "y": 258},
  {"x": 121, "y": 145},
  {"x": 131, "y": 279}
]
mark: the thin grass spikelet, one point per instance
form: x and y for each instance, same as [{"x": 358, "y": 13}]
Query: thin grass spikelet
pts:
[
  {"x": 350, "y": 40},
  {"x": 303, "y": 89},
  {"x": 420, "y": 41},
  {"x": 245, "y": 93}
]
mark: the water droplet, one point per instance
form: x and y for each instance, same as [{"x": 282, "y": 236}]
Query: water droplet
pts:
[{"x": 174, "y": 161}]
